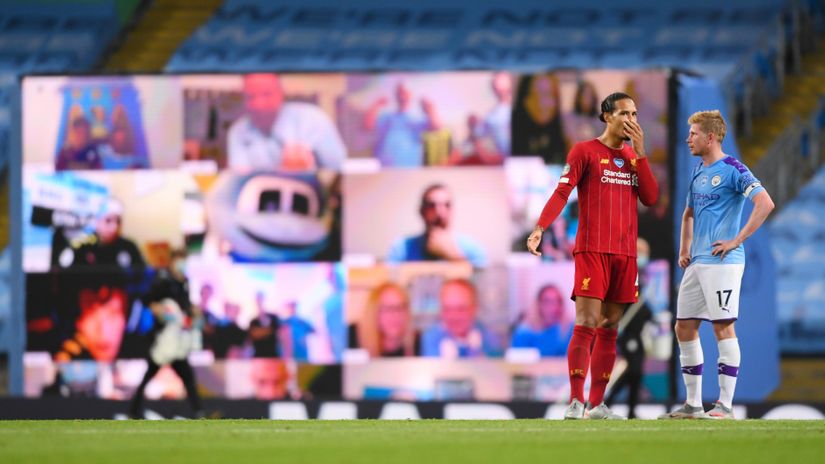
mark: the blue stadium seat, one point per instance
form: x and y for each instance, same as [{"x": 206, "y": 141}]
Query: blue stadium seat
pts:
[
  {"x": 39, "y": 23},
  {"x": 764, "y": 63},
  {"x": 620, "y": 59},
  {"x": 55, "y": 61},
  {"x": 798, "y": 234},
  {"x": 22, "y": 41},
  {"x": 667, "y": 55},
  {"x": 579, "y": 59},
  {"x": 76, "y": 41},
  {"x": 85, "y": 24},
  {"x": 12, "y": 61},
  {"x": 577, "y": 33},
  {"x": 58, "y": 37}
]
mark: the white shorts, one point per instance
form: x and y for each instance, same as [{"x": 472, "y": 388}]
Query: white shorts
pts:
[{"x": 710, "y": 292}]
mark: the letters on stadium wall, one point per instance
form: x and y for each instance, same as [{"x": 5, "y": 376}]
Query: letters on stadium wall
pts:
[{"x": 89, "y": 408}]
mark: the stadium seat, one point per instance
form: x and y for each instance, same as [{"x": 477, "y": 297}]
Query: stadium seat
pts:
[
  {"x": 66, "y": 36},
  {"x": 11, "y": 61},
  {"x": 250, "y": 25},
  {"x": 798, "y": 234},
  {"x": 56, "y": 61},
  {"x": 22, "y": 41},
  {"x": 39, "y": 23}
]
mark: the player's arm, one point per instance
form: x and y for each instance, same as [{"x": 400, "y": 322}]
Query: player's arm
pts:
[
  {"x": 551, "y": 211},
  {"x": 686, "y": 237},
  {"x": 572, "y": 172},
  {"x": 762, "y": 207},
  {"x": 648, "y": 187},
  {"x": 554, "y": 205}
]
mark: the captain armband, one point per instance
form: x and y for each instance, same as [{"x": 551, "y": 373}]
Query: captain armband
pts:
[{"x": 750, "y": 188}]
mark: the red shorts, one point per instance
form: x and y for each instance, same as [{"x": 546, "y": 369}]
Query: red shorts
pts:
[{"x": 606, "y": 277}]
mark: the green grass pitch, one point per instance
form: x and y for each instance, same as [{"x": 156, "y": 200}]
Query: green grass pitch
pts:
[{"x": 424, "y": 441}]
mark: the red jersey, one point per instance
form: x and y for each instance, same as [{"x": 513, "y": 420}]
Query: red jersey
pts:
[{"x": 609, "y": 181}]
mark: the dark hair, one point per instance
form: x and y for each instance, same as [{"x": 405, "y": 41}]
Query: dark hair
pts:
[
  {"x": 80, "y": 121},
  {"x": 589, "y": 107},
  {"x": 431, "y": 188},
  {"x": 529, "y": 137},
  {"x": 553, "y": 287},
  {"x": 609, "y": 103}
]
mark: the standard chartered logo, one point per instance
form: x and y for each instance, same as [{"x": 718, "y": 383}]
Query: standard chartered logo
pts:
[{"x": 618, "y": 177}]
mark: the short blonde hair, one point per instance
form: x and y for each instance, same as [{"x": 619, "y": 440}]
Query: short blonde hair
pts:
[{"x": 710, "y": 122}]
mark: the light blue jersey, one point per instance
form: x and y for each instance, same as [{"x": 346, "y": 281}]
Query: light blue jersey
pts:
[{"x": 717, "y": 194}]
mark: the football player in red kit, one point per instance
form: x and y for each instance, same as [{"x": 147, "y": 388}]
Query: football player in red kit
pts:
[{"x": 610, "y": 175}]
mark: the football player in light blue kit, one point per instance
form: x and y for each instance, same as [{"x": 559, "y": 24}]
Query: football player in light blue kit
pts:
[{"x": 712, "y": 254}]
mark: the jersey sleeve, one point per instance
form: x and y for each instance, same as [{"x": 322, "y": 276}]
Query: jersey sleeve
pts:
[
  {"x": 570, "y": 176},
  {"x": 576, "y": 166},
  {"x": 744, "y": 181},
  {"x": 648, "y": 187},
  {"x": 554, "y": 205}
]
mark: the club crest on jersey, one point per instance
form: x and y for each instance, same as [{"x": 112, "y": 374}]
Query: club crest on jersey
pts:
[
  {"x": 619, "y": 162},
  {"x": 716, "y": 180}
]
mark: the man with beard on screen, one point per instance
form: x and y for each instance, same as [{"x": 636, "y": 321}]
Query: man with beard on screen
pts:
[{"x": 438, "y": 241}]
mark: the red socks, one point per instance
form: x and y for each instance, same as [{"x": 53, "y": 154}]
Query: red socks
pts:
[
  {"x": 578, "y": 359},
  {"x": 601, "y": 363}
]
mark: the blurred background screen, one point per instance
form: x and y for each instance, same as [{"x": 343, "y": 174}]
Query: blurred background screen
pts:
[{"x": 307, "y": 204}]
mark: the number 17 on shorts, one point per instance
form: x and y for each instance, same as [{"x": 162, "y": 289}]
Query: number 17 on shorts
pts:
[{"x": 710, "y": 292}]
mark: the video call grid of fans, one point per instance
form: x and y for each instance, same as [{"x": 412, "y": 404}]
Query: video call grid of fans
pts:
[{"x": 374, "y": 220}]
